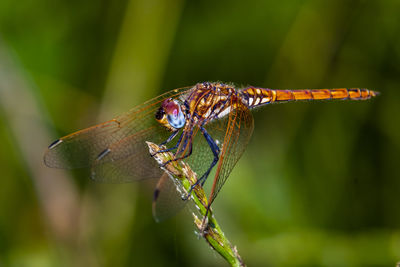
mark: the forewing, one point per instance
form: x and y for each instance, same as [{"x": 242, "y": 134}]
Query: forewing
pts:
[
  {"x": 129, "y": 159},
  {"x": 123, "y": 136}
]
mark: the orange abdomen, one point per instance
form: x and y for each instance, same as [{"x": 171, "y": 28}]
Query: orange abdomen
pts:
[{"x": 261, "y": 96}]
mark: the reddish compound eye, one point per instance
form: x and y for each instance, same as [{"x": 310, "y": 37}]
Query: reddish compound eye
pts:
[
  {"x": 175, "y": 116},
  {"x": 170, "y": 106}
]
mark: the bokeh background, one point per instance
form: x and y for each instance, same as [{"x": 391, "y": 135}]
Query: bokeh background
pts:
[{"x": 319, "y": 184}]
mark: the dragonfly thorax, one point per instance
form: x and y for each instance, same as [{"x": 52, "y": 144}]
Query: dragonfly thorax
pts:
[
  {"x": 170, "y": 115},
  {"x": 211, "y": 101}
]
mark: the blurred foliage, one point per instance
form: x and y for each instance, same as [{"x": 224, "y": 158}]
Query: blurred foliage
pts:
[{"x": 318, "y": 184}]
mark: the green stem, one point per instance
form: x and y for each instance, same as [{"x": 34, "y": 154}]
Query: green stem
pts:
[{"x": 209, "y": 228}]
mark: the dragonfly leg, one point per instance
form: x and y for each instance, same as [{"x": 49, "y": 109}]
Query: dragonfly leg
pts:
[
  {"x": 169, "y": 140},
  {"x": 182, "y": 149},
  {"x": 172, "y": 136},
  {"x": 215, "y": 149}
]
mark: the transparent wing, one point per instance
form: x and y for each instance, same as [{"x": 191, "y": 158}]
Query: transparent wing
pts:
[
  {"x": 129, "y": 159},
  {"x": 115, "y": 149},
  {"x": 238, "y": 127},
  {"x": 167, "y": 199}
]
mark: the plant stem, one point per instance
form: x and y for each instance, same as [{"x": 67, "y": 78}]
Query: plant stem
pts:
[{"x": 208, "y": 228}]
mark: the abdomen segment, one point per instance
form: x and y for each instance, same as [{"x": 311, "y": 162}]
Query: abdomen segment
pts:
[{"x": 260, "y": 96}]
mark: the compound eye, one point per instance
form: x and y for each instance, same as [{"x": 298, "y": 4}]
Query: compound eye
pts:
[{"x": 175, "y": 116}]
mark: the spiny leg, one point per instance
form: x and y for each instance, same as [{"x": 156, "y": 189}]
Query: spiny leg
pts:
[
  {"x": 187, "y": 137},
  {"x": 172, "y": 136},
  {"x": 215, "y": 149},
  {"x": 169, "y": 140}
]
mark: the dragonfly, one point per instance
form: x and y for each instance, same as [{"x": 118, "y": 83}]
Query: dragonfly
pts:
[{"x": 207, "y": 125}]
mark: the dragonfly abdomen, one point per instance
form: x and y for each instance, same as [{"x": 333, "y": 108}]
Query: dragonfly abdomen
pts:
[{"x": 259, "y": 96}]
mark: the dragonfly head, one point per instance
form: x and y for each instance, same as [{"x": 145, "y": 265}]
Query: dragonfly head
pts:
[{"x": 170, "y": 115}]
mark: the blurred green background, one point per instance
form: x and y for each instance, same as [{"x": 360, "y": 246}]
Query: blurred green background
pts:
[{"x": 319, "y": 184}]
